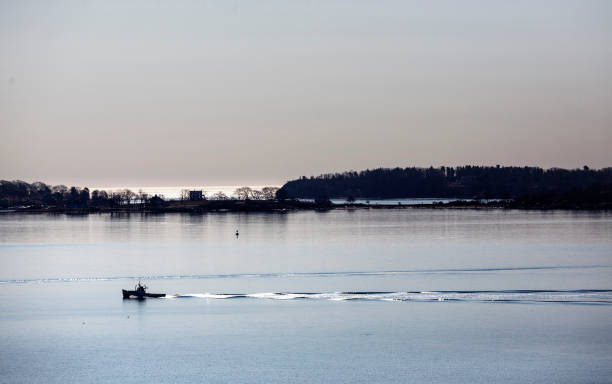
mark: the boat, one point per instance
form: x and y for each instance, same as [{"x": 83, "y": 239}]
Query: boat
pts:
[{"x": 140, "y": 292}]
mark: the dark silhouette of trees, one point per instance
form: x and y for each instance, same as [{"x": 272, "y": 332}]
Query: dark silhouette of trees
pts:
[
  {"x": 184, "y": 194},
  {"x": 84, "y": 197},
  {"x": 220, "y": 196},
  {"x": 38, "y": 194},
  {"x": 281, "y": 194},
  {"x": 247, "y": 193},
  {"x": 257, "y": 195},
  {"x": 445, "y": 182},
  {"x": 243, "y": 193},
  {"x": 322, "y": 200},
  {"x": 127, "y": 197},
  {"x": 526, "y": 187},
  {"x": 21, "y": 194},
  {"x": 99, "y": 198},
  {"x": 72, "y": 200},
  {"x": 269, "y": 193},
  {"x": 143, "y": 197}
]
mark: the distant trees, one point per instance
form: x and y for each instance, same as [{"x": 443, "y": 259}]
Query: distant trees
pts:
[
  {"x": 322, "y": 200},
  {"x": 266, "y": 193},
  {"x": 73, "y": 198},
  {"x": 243, "y": 193},
  {"x": 84, "y": 197},
  {"x": 20, "y": 193},
  {"x": 143, "y": 197},
  {"x": 184, "y": 194},
  {"x": 126, "y": 197},
  {"x": 14, "y": 190},
  {"x": 526, "y": 186},
  {"x": 281, "y": 194},
  {"x": 115, "y": 199},
  {"x": 99, "y": 198},
  {"x": 269, "y": 193},
  {"x": 38, "y": 194},
  {"x": 220, "y": 196},
  {"x": 453, "y": 182},
  {"x": 257, "y": 195}
]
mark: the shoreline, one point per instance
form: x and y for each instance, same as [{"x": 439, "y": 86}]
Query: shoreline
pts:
[{"x": 229, "y": 206}]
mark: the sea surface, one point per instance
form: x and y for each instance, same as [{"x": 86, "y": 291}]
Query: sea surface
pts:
[{"x": 344, "y": 296}]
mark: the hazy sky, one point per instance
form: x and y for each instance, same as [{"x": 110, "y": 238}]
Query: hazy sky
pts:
[{"x": 257, "y": 92}]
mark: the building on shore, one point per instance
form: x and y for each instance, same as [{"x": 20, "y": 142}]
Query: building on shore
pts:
[{"x": 195, "y": 195}]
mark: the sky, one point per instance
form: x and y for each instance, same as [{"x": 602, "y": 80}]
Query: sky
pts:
[{"x": 260, "y": 92}]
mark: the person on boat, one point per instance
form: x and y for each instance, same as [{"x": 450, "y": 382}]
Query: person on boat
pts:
[{"x": 140, "y": 289}]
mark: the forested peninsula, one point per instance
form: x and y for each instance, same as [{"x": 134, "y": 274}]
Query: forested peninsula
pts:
[{"x": 520, "y": 187}]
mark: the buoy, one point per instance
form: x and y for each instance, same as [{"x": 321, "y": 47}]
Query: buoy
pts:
[{"x": 237, "y": 234}]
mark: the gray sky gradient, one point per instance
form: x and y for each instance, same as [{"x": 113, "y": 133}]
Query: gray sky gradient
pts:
[{"x": 258, "y": 92}]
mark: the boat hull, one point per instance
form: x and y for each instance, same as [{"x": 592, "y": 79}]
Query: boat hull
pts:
[{"x": 140, "y": 296}]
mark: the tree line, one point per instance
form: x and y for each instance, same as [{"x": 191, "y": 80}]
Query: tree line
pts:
[
  {"x": 241, "y": 193},
  {"x": 527, "y": 186},
  {"x": 481, "y": 182},
  {"x": 20, "y": 193}
]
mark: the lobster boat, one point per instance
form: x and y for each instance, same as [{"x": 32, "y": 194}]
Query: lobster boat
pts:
[{"x": 140, "y": 292}]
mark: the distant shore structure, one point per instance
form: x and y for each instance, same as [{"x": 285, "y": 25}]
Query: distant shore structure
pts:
[{"x": 195, "y": 195}]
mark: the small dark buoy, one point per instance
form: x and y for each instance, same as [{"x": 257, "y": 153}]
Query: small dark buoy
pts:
[{"x": 237, "y": 234}]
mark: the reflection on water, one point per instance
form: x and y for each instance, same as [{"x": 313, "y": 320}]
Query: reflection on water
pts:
[{"x": 60, "y": 246}]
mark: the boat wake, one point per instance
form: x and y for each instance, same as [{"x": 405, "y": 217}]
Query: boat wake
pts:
[
  {"x": 401, "y": 272},
  {"x": 584, "y": 296}
]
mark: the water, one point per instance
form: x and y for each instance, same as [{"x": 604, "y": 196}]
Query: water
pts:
[
  {"x": 407, "y": 201},
  {"x": 411, "y": 295}
]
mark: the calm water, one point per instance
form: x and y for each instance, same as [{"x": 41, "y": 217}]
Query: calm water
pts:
[{"x": 393, "y": 296}]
